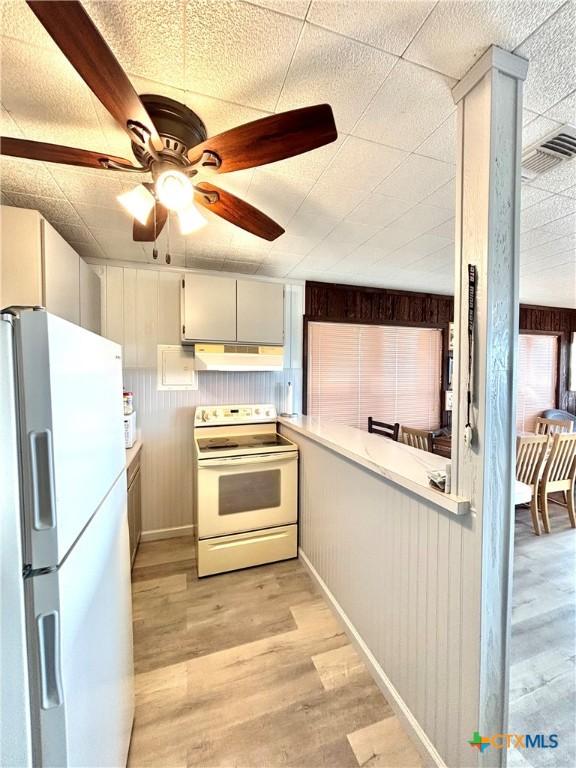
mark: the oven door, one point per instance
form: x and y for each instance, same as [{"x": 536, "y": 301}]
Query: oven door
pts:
[{"x": 246, "y": 493}]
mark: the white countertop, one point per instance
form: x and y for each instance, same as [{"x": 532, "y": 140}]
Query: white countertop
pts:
[
  {"x": 131, "y": 453},
  {"x": 399, "y": 463}
]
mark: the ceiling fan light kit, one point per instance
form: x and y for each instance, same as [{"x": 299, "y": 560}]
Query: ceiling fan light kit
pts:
[{"x": 169, "y": 140}]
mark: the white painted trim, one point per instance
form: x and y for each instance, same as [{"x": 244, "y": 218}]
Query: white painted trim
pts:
[
  {"x": 494, "y": 58},
  {"x": 167, "y": 533},
  {"x": 417, "y": 734}
]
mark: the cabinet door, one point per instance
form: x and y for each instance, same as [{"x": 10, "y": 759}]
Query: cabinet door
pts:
[
  {"x": 209, "y": 308},
  {"x": 61, "y": 275},
  {"x": 260, "y": 312},
  {"x": 89, "y": 298},
  {"x": 134, "y": 514},
  {"x": 20, "y": 257}
]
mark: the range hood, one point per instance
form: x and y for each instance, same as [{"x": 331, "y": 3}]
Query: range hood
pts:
[{"x": 237, "y": 357}]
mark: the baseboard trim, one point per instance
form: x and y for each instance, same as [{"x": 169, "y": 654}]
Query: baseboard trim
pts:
[
  {"x": 167, "y": 533},
  {"x": 421, "y": 741}
]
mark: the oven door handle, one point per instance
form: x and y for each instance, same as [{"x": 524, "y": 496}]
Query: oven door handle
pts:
[{"x": 254, "y": 459}]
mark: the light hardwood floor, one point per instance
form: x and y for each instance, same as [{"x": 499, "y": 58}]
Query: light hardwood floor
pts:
[
  {"x": 249, "y": 670},
  {"x": 543, "y": 650}
]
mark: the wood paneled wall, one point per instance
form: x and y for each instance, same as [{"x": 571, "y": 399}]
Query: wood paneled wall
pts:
[{"x": 331, "y": 302}]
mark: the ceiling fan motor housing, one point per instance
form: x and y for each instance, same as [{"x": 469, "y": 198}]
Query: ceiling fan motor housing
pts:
[{"x": 179, "y": 127}]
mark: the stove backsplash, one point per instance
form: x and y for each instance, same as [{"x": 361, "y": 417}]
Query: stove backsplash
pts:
[{"x": 165, "y": 421}]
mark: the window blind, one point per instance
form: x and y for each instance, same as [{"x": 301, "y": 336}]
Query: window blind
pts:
[
  {"x": 390, "y": 373},
  {"x": 537, "y": 378}
]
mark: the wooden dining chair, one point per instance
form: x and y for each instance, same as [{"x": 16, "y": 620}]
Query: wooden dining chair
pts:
[
  {"x": 530, "y": 458},
  {"x": 383, "y": 428},
  {"x": 418, "y": 438},
  {"x": 552, "y": 426},
  {"x": 559, "y": 475}
]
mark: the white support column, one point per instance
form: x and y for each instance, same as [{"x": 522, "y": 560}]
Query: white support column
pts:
[{"x": 489, "y": 100}]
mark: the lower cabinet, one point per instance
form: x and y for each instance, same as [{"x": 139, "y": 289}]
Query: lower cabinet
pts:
[{"x": 134, "y": 506}]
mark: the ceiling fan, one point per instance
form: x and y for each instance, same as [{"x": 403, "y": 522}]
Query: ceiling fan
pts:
[{"x": 169, "y": 140}]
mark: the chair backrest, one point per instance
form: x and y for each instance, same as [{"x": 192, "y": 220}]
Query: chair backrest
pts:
[
  {"x": 530, "y": 457},
  {"x": 384, "y": 429},
  {"x": 561, "y": 463},
  {"x": 552, "y": 426},
  {"x": 417, "y": 438}
]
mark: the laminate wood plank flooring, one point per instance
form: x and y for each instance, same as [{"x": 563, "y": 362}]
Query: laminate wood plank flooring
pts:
[
  {"x": 543, "y": 647},
  {"x": 249, "y": 670}
]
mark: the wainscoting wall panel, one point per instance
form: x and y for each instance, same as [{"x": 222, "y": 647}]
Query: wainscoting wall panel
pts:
[
  {"x": 141, "y": 309},
  {"x": 406, "y": 575}
]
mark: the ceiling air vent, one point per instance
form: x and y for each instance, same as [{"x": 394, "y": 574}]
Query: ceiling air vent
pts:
[{"x": 553, "y": 149}]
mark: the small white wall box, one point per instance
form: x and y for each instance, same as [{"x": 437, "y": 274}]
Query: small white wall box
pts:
[
  {"x": 130, "y": 429},
  {"x": 176, "y": 368},
  {"x": 449, "y": 400}
]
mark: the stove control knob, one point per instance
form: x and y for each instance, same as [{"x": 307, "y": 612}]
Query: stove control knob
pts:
[
  {"x": 268, "y": 412},
  {"x": 204, "y": 415},
  {"x": 215, "y": 413},
  {"x": 257, "y": 411}
]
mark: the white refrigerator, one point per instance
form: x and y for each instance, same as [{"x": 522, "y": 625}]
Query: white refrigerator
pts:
[{"x": 66, "y": 624}]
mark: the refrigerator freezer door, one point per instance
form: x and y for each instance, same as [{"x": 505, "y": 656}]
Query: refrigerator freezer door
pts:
[
  {"x": 73, "y": 440},
  {"x": 81, "y": 621},
  {"x": 15, "y": 744}
]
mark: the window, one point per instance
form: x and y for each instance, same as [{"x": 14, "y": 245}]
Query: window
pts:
[
  {"x": 537, "y": 378},
  {"x": 390, "y": 373}
]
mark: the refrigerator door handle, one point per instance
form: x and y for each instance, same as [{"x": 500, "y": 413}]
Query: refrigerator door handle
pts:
[
  {"x": 42, "y": 467},
  {"x": 48, "y": 626}
]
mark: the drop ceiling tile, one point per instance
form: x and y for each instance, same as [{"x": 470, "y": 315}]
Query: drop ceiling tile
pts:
[
  {"x": 146, "y": 37},
  {"x": 552, "y": 56},
  {"x": 416, "y": 178},
  {"x": 441, "y": 144},
  {"x": 309, "y": 166},
  {"x": 308, "y": 224},
  {"x": 384, "y": 24},
  {"x": 536, "y": 237},
  {"x": 87, "y": 250},
  {"x": 444, "y": 196},
  {"x": 74, "y": 233},
  {"x": 113, "y": 219},
  {"x": 7, "y": 126},
  {"x": 27, "y": 177},
  {"x": 352, "y": 232},
  {"x": 273, "y": 270},
  {"x": 238, "y": 52},
  {"x": 456, "y": 34},
  {"x": 360, "y": 259},
  {"x": 4, "y": 198},
  {"x": 570, "y": 192},
  {"x": 296, "y": 8},
  {"x": 96, "y": 190},
  {"x": 219, "y": 115},
  {"x": 200, "y": 262},
  {"x": 330, "y": 199},
  {"x": 547, "y": 211},
  {"x": 537, "y": 129},
  {"x": 558, "y": 180},
  {"x": 55, "y": 106},
  {"x": 421, "y": 218},
  {"x": 565, "y": 225},
  {"x": 380, "y": 210},
  {"x": 295, "y": 244},
  {"x": 528, "y": 116},
  {"x": 245, "y": 245},
  {"x": 390, "y": 239},
  {"x": 560, "y": 245},
  {"x": 51, "y": 208},
  {"x": 565, "y": 110},
  {"x": 530, "y": 195},
  {"x": 446, "y": 229},
  {"x": 18, "y": 21},
  {"x": 396, "y": 114},
  {"x": 334, "y": 69},
  {"x": 278, "y": 196},
  {"x": 362, "y": 164}
]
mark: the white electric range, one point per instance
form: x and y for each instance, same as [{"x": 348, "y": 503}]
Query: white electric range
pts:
[{"x": 246, "y": 488}]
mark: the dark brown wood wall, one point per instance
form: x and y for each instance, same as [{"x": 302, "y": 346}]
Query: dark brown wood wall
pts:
[{"x": 332, "y": 302}]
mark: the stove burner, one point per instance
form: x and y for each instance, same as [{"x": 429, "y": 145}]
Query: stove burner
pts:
[{"x": 214, "y": 443}]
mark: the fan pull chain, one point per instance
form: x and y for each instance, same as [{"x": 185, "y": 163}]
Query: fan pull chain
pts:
[
  {"x": 154, "y": 249},
  {"x": 168, "y": 257}
]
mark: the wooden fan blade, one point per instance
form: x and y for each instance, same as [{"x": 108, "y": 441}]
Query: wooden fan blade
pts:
[
  {"x": 74, "y": 32},
  {"x": 147, "y": 233},
  {"x": 55, "y": 153},
  {"x": 270, "y": 138},
  {"x": 236, "y": 211}
]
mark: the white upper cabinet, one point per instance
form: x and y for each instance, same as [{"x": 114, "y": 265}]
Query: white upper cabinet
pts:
[
  {"x": 61, "y": 269},
  {"x": 260, "y": 312},
  {"x": 209, "y": 308},
  {"x": 223, "y": 309},
  {"x": 39, "y": 268},
  {"x": 89, "y": 298}
]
